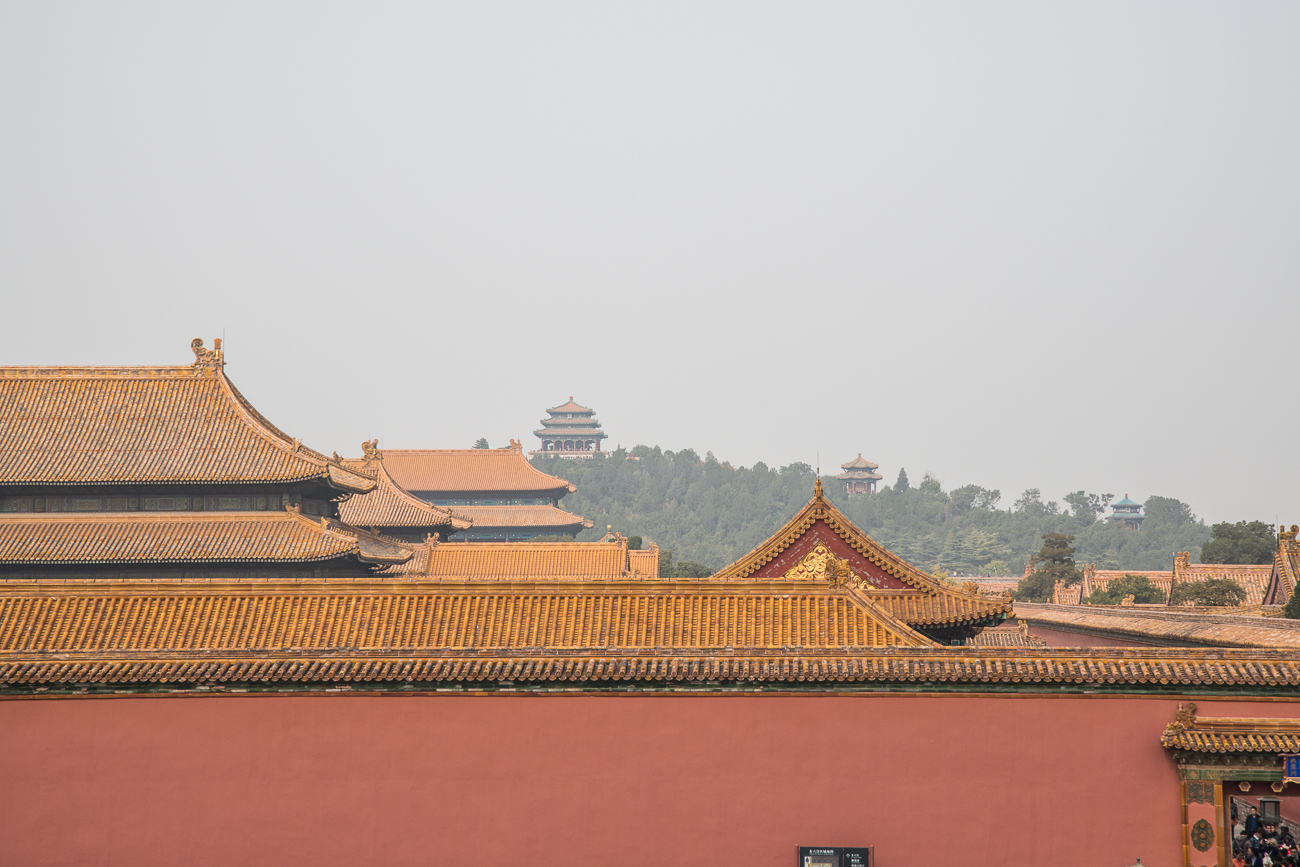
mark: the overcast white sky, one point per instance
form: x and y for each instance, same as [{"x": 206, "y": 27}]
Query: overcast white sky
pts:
[{"x": 1016, "y": 245}]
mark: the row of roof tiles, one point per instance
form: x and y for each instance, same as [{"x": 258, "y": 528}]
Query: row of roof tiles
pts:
[
  {"x": 1096, "y": 668},
  {"x": 97, "y": 425},
  {"x": 145, "y": 538}
]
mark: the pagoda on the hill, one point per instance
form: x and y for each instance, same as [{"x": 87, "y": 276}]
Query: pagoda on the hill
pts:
[
  {"x": 1128, "y": 514},
  {"x": 571, "y": 432},
  {"x": 859, "y": 476},
  {"x": 503, "y": 495}
]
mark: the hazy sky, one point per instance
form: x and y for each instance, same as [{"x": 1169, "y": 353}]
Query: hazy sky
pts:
[{"x": 1016, "y": 245}]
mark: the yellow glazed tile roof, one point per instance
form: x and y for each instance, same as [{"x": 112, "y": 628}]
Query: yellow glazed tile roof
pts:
[
  {"x": 388, "y": 505},
  {"x": 1230, "y": 735},
  {"x": 470, "y": 470},
  {"x": 910, "y": 594},
  {"x": 212, "y": 620},
  {"x": 522, "y": 516},
  {"x": 1161, "y": 625},
  {"x": 179, "y": 537},
  {"x": 123, "y": 425},
  {"x": 523, "y": 561}
]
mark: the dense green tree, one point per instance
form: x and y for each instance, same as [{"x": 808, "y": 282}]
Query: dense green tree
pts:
[
  {"x": 1242, "y": 542},
  {"x": 902, "y": 484},
  {"x": 1137, "y": 586},
  {"x": 481, "y": 443},
  {"x": 1166, "y": 510},
  {"x": 1053, "y": 562},
  {"x": 1210, "y": 592},
  {"x": 711, "y": 513},
  {"x": 1292, "y": 609},
  {"x": 1087, "y": 506},
  {"x": 634, "y": 543}
]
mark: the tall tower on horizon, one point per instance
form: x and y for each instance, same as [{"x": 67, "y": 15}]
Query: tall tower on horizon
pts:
[{"x": 572, "y": 431}]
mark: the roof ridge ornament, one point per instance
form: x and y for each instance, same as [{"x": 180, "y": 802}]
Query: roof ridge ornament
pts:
[
  {"x": 817, "y": 487},
  {"x": 207, "y": 358},
  {"x": 370, "y": 449}
]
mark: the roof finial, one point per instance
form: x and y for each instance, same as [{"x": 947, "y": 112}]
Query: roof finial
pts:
[
  {"x": 817, "y": 488},
  {"x": 205, "y": 357}
]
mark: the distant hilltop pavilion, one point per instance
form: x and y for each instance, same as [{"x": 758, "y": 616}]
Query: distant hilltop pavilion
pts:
[
  {"x": 571, "y": 432},
  {"x": 859, "y": 476}
]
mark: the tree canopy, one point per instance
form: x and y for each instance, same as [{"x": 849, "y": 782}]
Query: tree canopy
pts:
[
  {"x": 481, "y": 443},
  {"x": 1137, "y": 586},
  {"x": 710, "y": 512},
  {"x": 1210, "y": 592},
  {"x": 1054, "y": 562},
  {"x": 1242, "y": 542}
]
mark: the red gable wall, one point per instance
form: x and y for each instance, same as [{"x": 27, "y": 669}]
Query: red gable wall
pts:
[{"x": 820, "y": 533}]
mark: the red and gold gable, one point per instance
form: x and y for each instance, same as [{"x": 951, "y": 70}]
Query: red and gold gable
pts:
[{"x": 820, "y": 533}]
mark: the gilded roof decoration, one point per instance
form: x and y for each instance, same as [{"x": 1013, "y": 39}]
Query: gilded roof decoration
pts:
[
  {"x": 470, "y": 470},
  {"x": 146, "y": 425},
  {"x": 179, "y": 537}
]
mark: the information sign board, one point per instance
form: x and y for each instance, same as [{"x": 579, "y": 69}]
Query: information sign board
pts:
[{"x": 836, "y": 856}]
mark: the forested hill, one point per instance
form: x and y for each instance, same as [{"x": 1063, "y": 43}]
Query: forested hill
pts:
[{"x": 711, "y": 513}]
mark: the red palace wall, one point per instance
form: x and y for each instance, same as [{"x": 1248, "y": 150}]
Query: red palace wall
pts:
[{"x": 591, "y": 780}]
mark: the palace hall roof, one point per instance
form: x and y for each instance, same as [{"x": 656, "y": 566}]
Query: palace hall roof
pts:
[
  {"x": 471, "y": 470},
  {"x": 145, "y": 538},
  {"x": 522, "y": 516},
  {"x": 147, "y": 425},
  {"x": 570, "y": 407},
  {"x": 1286, "y": 565},
  {"x": 1016, "y": 635},
  {"x": 1164, "y": 625},
  {"x": 389, "y": 505},
  {"x": 819, "y": 606},
  {"x": 522, "y": 561},
  {"x": 850, "y": 557},
  {"x": 859, "y": 463}
]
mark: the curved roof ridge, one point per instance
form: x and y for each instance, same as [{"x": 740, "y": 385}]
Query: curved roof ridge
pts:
[
  {"x": 391, "y": 505},
  {"x": 147, "y": 425},
  {"x": 975, "y": 604},
  {"x": 464, "y": 470}
]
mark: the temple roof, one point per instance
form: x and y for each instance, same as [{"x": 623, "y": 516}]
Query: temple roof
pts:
[
  {"x": 851, "y": 558},
  {"x": 859, "y": 463},
  {"x": 1230, "y": 735},
  {"x": 522, "y": 516},
  {"x": 144, "y": 538},
  {"x": 389, "y": 505},
  {"x": 147, "y": 425},
  {"x": 1163, "y": 625},
  {"x": 1014, "y": 635},
  {"x": 470, "y": 470},
  {"x": 522, "y": 561},
  {"x": 1125, "y": 502},
  {"x": 1286, "y": 565},
  {"x": 859, "y": 474},
  {"x": 570, "y": 407}
]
